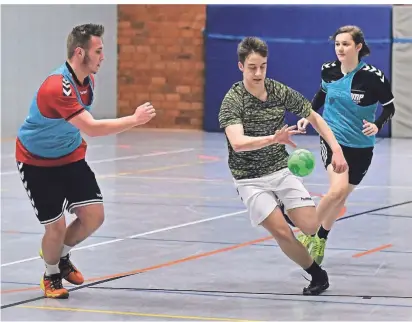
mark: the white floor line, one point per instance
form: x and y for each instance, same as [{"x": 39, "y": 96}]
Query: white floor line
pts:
[
  {"x": 130, "y": 157},
  {"x": 230, "y": 182},
  {"x": 137, "y": 235}
]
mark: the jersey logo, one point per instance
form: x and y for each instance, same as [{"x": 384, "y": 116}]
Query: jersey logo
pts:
[
  {"x": 377, "y": 72},
  {"x": 67, "y": 89},
  {"x": 356, "y": 98},
  {"x": 328, "y": 65}
]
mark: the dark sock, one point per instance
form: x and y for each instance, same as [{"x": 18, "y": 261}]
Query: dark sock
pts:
[
  {"x": 323, "y": 233},
  {"x": 314, "y": 270}
]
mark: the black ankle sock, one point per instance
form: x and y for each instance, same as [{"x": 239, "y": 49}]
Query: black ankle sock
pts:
[
  {"x": 314, "y": 270},
  {"x": 323, "y": 233}
]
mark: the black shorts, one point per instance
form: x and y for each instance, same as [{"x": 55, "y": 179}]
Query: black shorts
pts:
[
  {"x": 358, "y": 159},
  {"x": 52, "y": 190}
]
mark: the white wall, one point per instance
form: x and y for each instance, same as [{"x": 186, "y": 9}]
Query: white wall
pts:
[
  {"x": 33, "y": 44},
  {"x": 402, "y": 72}
]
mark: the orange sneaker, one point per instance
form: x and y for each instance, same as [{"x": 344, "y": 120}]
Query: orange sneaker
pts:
[
  {"x": 69, "y": 272},
  {"x": 53, "y": 287}
]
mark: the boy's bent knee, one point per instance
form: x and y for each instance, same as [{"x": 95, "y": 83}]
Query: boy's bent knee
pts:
[
  {"x": 305, "y": 219},
  {"x": 91, "y": 215}
]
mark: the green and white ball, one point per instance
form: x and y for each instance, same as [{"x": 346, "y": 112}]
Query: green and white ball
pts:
[{"x": 301, "y": 162}]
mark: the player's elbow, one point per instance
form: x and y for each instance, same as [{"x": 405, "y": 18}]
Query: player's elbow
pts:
[
  {"x": 88, "y": 128},
  {"x": 235, "y": 136},
  {"x": 237, "y": 144},
  {"x": 237, "y": 147},
  {"x": 86, "y": 124},
  {"x": 91, "y": 132}
]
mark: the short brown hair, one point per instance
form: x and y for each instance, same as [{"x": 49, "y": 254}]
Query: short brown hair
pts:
[
  {"x": 251, "y": 45},
  {"x": 357, "y": 36},
  {"x": 80, "y": 37}
]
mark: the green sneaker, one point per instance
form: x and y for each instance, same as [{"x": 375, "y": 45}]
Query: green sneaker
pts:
[
  {"x": 305, "y": 240},
  {"x": 317, "y": 251}
]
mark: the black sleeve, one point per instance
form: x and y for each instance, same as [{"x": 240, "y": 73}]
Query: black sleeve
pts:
[
  {"x": 387, "y": 113},
  {"x": 383, "y": 90},
  {"x": 318, "y": 100},
  {"x": 384, "y": 94}
]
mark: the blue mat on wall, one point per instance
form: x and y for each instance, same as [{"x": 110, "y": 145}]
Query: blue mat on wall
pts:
[{"x": 297, "y": 36}]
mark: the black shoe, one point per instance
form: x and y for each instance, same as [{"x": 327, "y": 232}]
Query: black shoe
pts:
[
  {"x": 318, "y": 285},
  {"x": 69, "y": 272}
]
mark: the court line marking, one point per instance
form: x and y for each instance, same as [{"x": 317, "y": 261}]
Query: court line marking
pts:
[
  {"x": 191, "y": 223},
  {"x": 174, "y": 196},
  {"x": 371, "y": 251},
  {"x": 117, "y": 276},
  {"x": 102, "y": 279},
  {"x": 167, "y": 316},
  {"x": 141, "y": 234},
  {"x": 168, "y": 167},
  {"x": 130, "y": 157},
  {"x": 224, "y": 181}
]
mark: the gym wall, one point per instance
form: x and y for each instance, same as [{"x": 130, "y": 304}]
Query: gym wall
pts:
[
  {"x": 183, "y": 58},
  {"x": 33, "y": 44},
  {"x": 297, "y": 37},
  {"x": 161, "y": 60},
  {"x": 402, "y": 71}
]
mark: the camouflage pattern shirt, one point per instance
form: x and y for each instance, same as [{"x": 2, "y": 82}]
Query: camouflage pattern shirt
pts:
[{"x": 260, "y": 119}]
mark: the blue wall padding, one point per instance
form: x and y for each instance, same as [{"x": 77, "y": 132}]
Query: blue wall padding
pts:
[{"x": 297, "y": 36}]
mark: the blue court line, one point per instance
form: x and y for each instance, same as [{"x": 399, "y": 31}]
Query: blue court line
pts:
[
  {"x": 19, "y": 283},
  {"x": 287, "y": 40},
  {"x": 235, "y": 296},
  {"x": 274, "y": 298}
]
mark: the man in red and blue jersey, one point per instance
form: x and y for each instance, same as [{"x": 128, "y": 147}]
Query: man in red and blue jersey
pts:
[{"x": 50, "y": 155}]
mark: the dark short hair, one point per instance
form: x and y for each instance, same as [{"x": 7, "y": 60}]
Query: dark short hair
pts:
[
  {"x": 81, "y": 35},
  {"x": 357, "y": 36},
  {"x": 251, "y": 45}
]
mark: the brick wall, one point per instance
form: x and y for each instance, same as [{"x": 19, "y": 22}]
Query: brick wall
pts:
[{"x": 160, "y": 59}]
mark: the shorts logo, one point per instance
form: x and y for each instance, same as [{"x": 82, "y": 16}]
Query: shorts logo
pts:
[{"x": 305, "y": 199}]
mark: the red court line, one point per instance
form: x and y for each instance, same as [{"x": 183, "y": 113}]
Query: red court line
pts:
[
  {"x": 371, "y": 251},
  {"x": 208, "y": 157},
  {"x": 166, "y": 264},
  {"x": 154, "y": 267}
]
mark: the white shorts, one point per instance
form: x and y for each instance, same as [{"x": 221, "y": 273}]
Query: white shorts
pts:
[{"x": 261, "y": 195}]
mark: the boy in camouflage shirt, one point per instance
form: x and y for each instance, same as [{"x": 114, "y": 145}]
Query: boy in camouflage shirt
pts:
[{"x": 252, "y": 114}]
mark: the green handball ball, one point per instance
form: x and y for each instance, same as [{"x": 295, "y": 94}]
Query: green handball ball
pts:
[{"x": 301, "y": 162}]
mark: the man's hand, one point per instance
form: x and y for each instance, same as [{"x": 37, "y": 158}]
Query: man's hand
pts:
[
  {"x": 283, "y": 135},
  {"x": 144, "y": 113}
]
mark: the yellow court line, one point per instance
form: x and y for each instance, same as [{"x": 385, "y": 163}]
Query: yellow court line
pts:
[
  {"x": 169, "y": 167},
  {"x": 181, "y": 317},
  {"x": 173, "y": 196}
]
